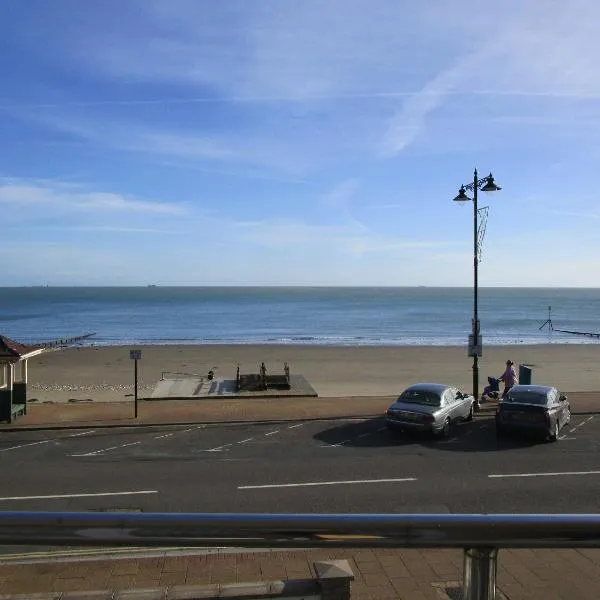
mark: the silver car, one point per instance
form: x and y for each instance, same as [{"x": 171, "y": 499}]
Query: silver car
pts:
[{"x": 430, "y": 407}]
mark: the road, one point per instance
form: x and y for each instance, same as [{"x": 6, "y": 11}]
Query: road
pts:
[{"x": 318, "y": 466}]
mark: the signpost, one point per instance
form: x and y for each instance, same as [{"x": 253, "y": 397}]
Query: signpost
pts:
[
  {"x": 475, "y": 347},
  {"x": 135, "y": 355}
]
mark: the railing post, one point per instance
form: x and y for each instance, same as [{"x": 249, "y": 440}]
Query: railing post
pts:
[{"x": 479, "y": 576}]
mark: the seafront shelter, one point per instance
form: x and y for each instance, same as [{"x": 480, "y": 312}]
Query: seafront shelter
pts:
[{"x": 13, "y": 377}]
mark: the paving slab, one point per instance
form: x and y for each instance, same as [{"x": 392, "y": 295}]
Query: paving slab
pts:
[{"x": 378, "y": 573}]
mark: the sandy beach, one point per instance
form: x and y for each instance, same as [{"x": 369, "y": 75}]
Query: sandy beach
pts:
[{"x": 105, "y": 374}]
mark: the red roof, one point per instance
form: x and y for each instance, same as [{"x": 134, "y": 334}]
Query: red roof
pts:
[{"x": 14, "y": 350}]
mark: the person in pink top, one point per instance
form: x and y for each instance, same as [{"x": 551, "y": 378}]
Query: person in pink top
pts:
[{"x": 509, "y": 377}]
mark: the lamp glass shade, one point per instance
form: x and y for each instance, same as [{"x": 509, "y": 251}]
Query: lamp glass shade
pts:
[
  {"x": 462, "y": 196},
  {"x": 490, "y": 185}
]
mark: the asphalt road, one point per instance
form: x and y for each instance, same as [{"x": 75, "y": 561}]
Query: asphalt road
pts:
[{"x": 326, "y": 466}]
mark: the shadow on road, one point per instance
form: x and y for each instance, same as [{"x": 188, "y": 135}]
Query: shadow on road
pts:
[{"x": 475, "y": 436}]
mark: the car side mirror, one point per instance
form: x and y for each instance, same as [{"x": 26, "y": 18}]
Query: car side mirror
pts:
[{"x": 562, "y": 398}]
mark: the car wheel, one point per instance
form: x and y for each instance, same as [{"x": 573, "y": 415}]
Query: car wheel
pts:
[
  {"x": 470, "y": 415},
  {"x": 445, "y": 432},
  {"x": 554, "y": 434}
]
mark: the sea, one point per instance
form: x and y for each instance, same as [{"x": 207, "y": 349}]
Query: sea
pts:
[{"x": 333, "y": 316}]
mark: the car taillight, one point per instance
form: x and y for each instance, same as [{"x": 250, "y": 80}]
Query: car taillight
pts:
[
  {"x": 428, "y": 418},
  {"x": 389, "y": 413}
]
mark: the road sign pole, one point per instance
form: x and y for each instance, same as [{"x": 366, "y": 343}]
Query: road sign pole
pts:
[{"x": 135, "y": 355}]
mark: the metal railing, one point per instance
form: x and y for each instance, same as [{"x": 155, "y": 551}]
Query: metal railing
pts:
[{"x": 480, "y": 536}]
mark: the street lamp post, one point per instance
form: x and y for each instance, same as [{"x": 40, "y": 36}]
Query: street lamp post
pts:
[{"x": 486, "y": 184}]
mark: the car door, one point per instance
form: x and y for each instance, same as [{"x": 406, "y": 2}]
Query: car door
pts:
[
  {"x": 563, "y": 408},
  {"x": 555, "y": 408},
  {"x": 454, "y": 403}
]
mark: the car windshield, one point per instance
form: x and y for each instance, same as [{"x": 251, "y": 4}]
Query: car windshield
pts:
[
  {"x": 420, "y": 397},
  {"x": 527, "y": 398}
]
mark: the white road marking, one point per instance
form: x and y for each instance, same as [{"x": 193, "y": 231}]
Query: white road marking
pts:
[
  {"x": 186, "y": 430},
  {"x": 218, "y": 448},
  {"x": 362, "y": 435},
  {"x": 544, "y": 474},
  {"x": 317, "y": 483},
  {"x": 83, "y": 433},
  {"x": 101, "y": 451},
  {"x": 131, "y": 444},
  {"x": 337, "y": 445},
  {"x": 581, "y": 424},
  {"x": 25, "y": 445},
  {"x": 57, "y": 496},
  {"x": 246, "y": 440},
  {"x": 272, "y": 432},
  {"x": 382, "y": 429},
  {"x": 564, "y": 437},
  {"x": 294, "y": 426}
]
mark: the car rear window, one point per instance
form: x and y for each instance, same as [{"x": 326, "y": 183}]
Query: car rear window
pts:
[
  {"x": 420, "y": 397},
  {"x": 527, "y": 398}
]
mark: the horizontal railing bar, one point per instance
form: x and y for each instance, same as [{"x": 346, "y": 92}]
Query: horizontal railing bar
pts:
[{"x": 254, "y": 530}]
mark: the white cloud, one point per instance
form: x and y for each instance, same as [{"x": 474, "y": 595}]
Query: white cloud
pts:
[
  {"x": 71, "y": 198},
  {"x": 341, "y": 195}
]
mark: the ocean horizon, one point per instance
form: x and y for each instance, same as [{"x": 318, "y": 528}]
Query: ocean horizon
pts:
[{"x": 336, "y": 316}]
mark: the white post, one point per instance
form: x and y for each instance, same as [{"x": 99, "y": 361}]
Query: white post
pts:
[
  {"x": 3, "y": 376},
  {"x": 24, "y": 371},
  {"x": 11, "y": 376}
]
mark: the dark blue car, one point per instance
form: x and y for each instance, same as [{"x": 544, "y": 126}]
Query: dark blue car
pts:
[{"x": 536, "y": 409}]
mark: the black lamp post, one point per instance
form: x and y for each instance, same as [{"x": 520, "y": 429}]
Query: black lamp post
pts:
[{"x": 486, "y": 184}]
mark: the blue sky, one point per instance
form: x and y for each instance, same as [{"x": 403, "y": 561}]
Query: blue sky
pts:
[{"x": 297, "y": 142}]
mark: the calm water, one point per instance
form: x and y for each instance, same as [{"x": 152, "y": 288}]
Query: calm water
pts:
[{"x": 334, "y": 316}]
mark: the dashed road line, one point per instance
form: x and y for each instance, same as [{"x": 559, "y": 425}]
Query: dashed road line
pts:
[
  {"x": 218, "y": 448},
  {"x": 103, "y": 450},
  {"x": 338, "y": 445},
  {"x": 246, "y": 440},
  {"x": 272, "y": 432},
  {"x": 298, "y": 425},
  {"x": 82, "y": 433},
  {"x": 573, "y": 429},
  {"x": 25, "y": 445}
]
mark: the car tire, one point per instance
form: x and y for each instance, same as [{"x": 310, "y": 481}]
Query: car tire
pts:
[
  {"x": 445, "y": 431},
  {"x": 553, "y": 436},
  {"x": 469, "y": 417}
]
